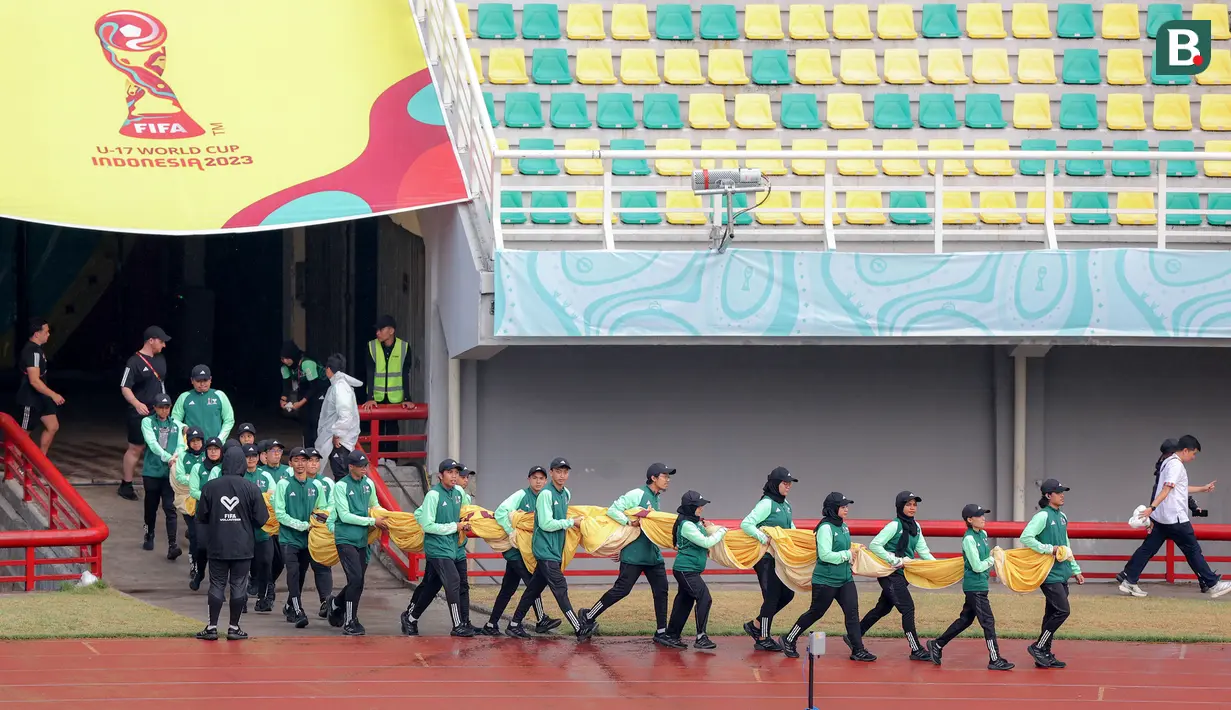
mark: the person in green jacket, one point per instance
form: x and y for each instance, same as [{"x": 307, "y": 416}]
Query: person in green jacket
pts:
[
  {"x": 977, "y": 565},
  {"x": 551, "y": 523},
  {"x": 188, "y": 461},
  {"x": 323, "y": 574},
  {"x": 163, "y": 444},
  {"x": 692, "y": 547},
  {"x": 900, "y": 540},
  {"x": 1046, "y": 531},
  {"x": 205, "y": 471},
  {"x": 772, "y": 511},
  {"x": 515, "y": 571},
  {"x": 445, "y": 549},
  {"x": 204, "y": 407},
  {"x": 641, "y": 556},
  {"x": 294, "y": 504},
  {"x": 353, "y": 497},
  {"x": 247, "y": 434},
  {"x": 270, "y": 452},
  {"x": 832, "y": 580},
  {"x": 263, "y": 553}
]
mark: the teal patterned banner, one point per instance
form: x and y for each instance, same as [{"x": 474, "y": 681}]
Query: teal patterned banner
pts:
[{"x": 1102, "y": 292}]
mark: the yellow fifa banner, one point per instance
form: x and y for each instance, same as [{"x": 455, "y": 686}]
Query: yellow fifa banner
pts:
[{"x": 167, "y": 116}]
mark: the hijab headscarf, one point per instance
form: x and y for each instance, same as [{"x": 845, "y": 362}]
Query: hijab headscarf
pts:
[
  {"x": 910, "y": 528},
  {"x": 209, "y": 464},
  {"x": 683, "y": 513},
  {"x": 770, "y": 491},
  {"x": 829, "y": 510}
]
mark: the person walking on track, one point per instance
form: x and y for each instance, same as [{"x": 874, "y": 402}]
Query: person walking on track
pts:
[
  {"x": 1047, "y": 531},
  {"x": 303, "y": 389},
  {"x": 323, "y": 574},
  {"x": 515, "y": 571},
  {"x": 263, "y": 556},
  {"x": 38, "y": 404},
  {"x": 338, "y": 429},
  {"x": 353, "y": 497},
  {"x": 205, "y": 471},
  {"x": 772, "y": 511},
  {"x": 145, "y": 374},
  {"x": 692, "y": 547},
  {"x": 294, "y": 501},
  {"x": 204, "y": 407},
  {"x": 445, "y": 549},
  {"x": 163, "y": 446},
  {"x": 900, "y": 540},
  {"x": 185, "y": 466}
]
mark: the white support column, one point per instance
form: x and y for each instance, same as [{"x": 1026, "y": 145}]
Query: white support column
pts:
[
  {"x": 1019, "y": 436},
  {"x": 455, "y": 408}
]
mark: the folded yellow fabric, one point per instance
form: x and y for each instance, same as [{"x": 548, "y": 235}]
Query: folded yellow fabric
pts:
[
  {"x": 404, "y": 530},
  {"x": 271, "y": 526},
  {"x": 190, "y": 506},
  {"x": 323, "y": 547},
  {"x": 1024, "y": 570},
  {"x": 181, "y": 493}
]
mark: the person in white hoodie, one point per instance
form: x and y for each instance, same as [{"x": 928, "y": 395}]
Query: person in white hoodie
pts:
[{"x": 338, "y": 428}]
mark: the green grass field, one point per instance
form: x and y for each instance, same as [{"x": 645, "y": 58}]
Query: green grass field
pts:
[{"x": 87, "y": 612}]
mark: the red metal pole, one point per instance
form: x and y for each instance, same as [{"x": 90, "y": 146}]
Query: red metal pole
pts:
[
  {"x": 29, "y": 569},
  {"x": 374, "y": 440},
  {"x": 1170, "y": 562}
]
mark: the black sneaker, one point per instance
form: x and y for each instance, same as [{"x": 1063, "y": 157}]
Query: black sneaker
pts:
[
  {"x": 354, "y": 628},
  {"x": 767, "y": 644},
  {"x": 194, "y": 584},
  {"x": 271, "y": 593},
  {"x": 462, "y": 631},
  {"x": 263, "y": 606},
  {"x": 251, "y": 588},
  {"x": 516, "y": 631},
  {"x": 324, "y": 612},
  {"x": 236, "y": 634},
  {"x": 208, "y": 634},
  {"x": 148, "y": 543},
  {"x": 920, "y": 655},
  {"x": 1055, "y": 662},
  {"x": 999, "y": 664},
  {"x": 174, "y": 552},
  {"x": 301, "y": 621},
  {"x": 788, "y": 647},
  {"x": 587, "y": 630},
  {"x": 667, "y": 641},
  {"x": 488, "y": 630},
  {"x": 935, "y": 651},
  {"x": 287, "y": 612},
  {"x": 410, "y": 628},
  {"x": 546, "y": 625},
  {"x": 126, "y": 491},
  {"x": 336, "y": 615},
  {"x": 1041, "y": 659},
  {"x": 752, "y": 631},
  {"x": 704, "y": 643},
  {"x": 862, "y": 655}
]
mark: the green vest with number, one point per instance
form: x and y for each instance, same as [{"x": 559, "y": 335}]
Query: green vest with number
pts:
[
  {"x": 689, "y": 556},
  {"x": 829, "y": 574},
  {"x": 973, "y": 581},
  {"x": 448, "y": 510},
  {"x": 549, "y": 545},
  {"x": 1056, "y": 533},
  {"x": 387, "y": 385},
  {"x": 642, "y": 550}
]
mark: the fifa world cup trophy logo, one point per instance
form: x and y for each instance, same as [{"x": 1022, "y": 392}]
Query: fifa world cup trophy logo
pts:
[{"x": 133, "y": 44}]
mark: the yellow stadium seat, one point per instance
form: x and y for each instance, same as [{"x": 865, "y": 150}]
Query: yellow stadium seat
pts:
[
  {"x": 763, "y": 22},
  {"x": 1036, "y": 65},
  {"x": 1030, "y": 20},
  {"x": 851, "y": 22},
  {"x": 719, "y": 144},
  {"x": 859, "y": 200},
  {"x": 707, "y": 111},
  {"x": 463, "y": 14},
  {"x": 726, "y": 67},
  {"x": 1036, "y": 204},
  {"x": 808, "y": 166},
  {"x": 767, "y": 166},
  {"x": 1217, "y": 168},
  {"x": 958, "y": 200},
  {"x": 1125, "y": 67},
  {"x": 1172, "y": 113},
  {"x": 990, "y": 202},
  {"x": 814, "y": 66},
  {"x": 682, "y": 66},
  {"x": 673, "y": 166},
  {"x": 753, "y": 111},
  {"x": 900, "y": 168},
  {"x": 807, "y": 22},
  {"x": 585, "y": 22},
  {"x": 858, "y": 67},
  {"x": 985, "y": 20},
  {"x": 993, "y": 167},
  {"x": 895, "y": 22},
  {"x": 594, "y": 66},
  {"x": 1215, "y": 112},
  {"x": 856, "y": 166},
  {"x": 902, "y": 66},
  {"x": 1031, "y": 111},
  {"x": 1120, "y": 21},
  {"x": 639, "y": 66},
  {"x": 845, "y": 111},
  {"x": 1216, "y": 13},
  {"x": 776, "y": 200},
  {"x": 951, "y": 167},
  {"x": 1218, "y": 73},
  {"x": 478, "y": 64},
  {"x": 947, "y": 66},
  {"x": 683, "y": 207},
  {"x": 506, "y": 165},
  {"x": 629, "y": 22},
  {"x": 590, "y": 207},
  {"x": 507, "y": 65},
  {"x": 814, "y": 201},
  {"x": 582, "y": 166},
  {"x": 1136, "y": 201},
  {"x": 990, "y": 65},
  {"x": 1126, "y": 112}
]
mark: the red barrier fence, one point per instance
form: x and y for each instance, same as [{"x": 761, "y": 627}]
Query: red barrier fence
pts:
[
  {"x": 73, "y": 523},
  {"x": 370, "y": 443}
]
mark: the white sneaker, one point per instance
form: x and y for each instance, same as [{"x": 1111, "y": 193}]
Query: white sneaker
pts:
[
  {"x": 1220, "y": 589},
  {"x": 1132, "y": 589}
]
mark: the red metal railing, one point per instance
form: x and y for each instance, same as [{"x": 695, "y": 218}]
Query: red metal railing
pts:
[
  {"x": 72, "y": 522},
  {"x": 370, "y": 443}
]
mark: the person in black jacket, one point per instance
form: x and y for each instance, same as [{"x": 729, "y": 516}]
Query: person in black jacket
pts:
[{"x": 233, "y": 509}]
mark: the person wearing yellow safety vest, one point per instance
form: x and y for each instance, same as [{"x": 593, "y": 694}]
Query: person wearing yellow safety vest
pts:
[{"x": 388, "y": 374}]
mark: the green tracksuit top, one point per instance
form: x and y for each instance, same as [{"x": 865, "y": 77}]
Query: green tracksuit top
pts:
[
  {"x": 265, "y": 482},
  {"x": 767, "y": 513},
  {"x": 439, "y": 516},
  {"x": 294, "y": 501},
  {"x": 885, "y": 544},
  {"x": 184, "y": 465},
  {"x": 349, "y": 515},
  {"x": 833, "y": 555},
  {"x": 693, "y": 546},
  {"x": 550, "y": 523},
  {"x": 641, "y": 551},
  {"x": 324, "y": 498},
  {"x": 976, "y": 561},
  {"x": 278, "y": 473},
  {"x": 210, "y": 412},
  {"x": 522, "y": 500},
  {"x": 1047, "y": 530},
  {"x": 199, "y": 476},
  {"x": 162, "y": 441}
]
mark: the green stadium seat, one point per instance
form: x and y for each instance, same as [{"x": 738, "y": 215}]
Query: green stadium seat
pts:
[
  {"x": 909, "y": 200},
  {"x": 1090, "y": 201},
  {"x": 637, "y": 199},
  {"x": 537, "y": 166},
  {"x": 718, "y": 21},
  {"x": 615, "y": 110},
  {"x": 1219, "y": 202},
  {"x": 1160, "y": 80},
  {"x": 550, "y": 66},
  {"x": 740, "y": 202},
  {"x": 523, "y": 109},
  {"x": 496, "y": 21},
  {"x": 940, "y": 20},
  {"x": 892, "y": 110},
  {"x": 549, "y": 200},
  {"x": 1075, "y": 21},
  {"x": 1178, "y": 201},
  {"x": 1086, "y": 168},
  {"x": 661, "y": 111},
  {"x": 674, "y": 22},
  {"x": 489, "y": 100},
  {"x": 569, "y": 111},
  {"x": 1159, "y": 13},
  {"x": 508, "y": 200},
  {"x": 1131, "y": 168},
  {"x": 1035, "y": 167},
  {"x": 937, "y": 111},
  {"x": 540, "y": 21},
  {"x": 770, "y": 67},
  {"x": 1179, "y": 168},
  {"x": 983, "y": 111},
  {"x": 799, "y": 111},
  {"x": 1079, "y": 112},
  {"x": 629, "y": 166},
  {"x": 1081, "y": 66}
]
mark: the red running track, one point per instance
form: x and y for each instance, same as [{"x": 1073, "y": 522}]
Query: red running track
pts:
[{"x": 379, "y": 672}]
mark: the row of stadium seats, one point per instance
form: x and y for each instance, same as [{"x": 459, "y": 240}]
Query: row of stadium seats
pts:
[
  {"x": 773, "y": 67},
  {"x": 864, "y": 208},
  {"x": 720, "y": 21},
  {"x": 706, "y": 111}
]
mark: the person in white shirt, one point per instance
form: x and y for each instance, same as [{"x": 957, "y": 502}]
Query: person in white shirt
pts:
[{"x": 1168, "y": 513}]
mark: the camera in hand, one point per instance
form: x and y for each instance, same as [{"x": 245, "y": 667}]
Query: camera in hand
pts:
[{"x": 1195, "y": 511}]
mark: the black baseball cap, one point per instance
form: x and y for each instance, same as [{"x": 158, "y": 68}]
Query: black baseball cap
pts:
[
  {"x": 262, "y": 446},
  {"x": 973, "y": 510},
  {"x": 299, "y": 452},
  {"x": 658, "y": 469},
  {"x": 162, "y": 400},
  {"x": 468, "y": 472},
  {"x": 837, "y": 500},
  {"x": 201, "y": 372},
  {"x": 271, "y": 443},
  {"x": 536, "y": 469},
  {"x": 693, "y": 498},
  {"x": 356, "y": 458},
  {"x": 312, "y": 453},
  {"x": 905, "y": 497},
  {"x": 194, "y": 433},
  {"x": 214, "y": 442},
  {"x": 781, "y": 474},
  {"x": 448, "y": 464},
  {"x": 386, "y": 321},
  {"x": 560, "y": 462},
  {"x": 155, "y": 333},
  {"x": 246, "y": 428},
  {"x": 249, "y": 451},
  {"x": 1051, "y": 485}
]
